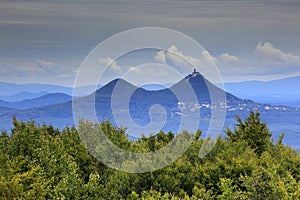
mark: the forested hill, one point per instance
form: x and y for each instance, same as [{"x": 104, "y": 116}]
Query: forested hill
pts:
[
  {"x": 280, "y": 118},
  {"x": 45, "y": 100},
  {"x": 41, "y": 162}
]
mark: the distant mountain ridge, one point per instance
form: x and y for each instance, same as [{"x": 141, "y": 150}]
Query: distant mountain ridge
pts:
[
  {"x": 280, "y": 118},
  {"x": 22, "y": 96},
  {"x": 283, "y": 91},
  {"x": 277, "y": 92},
  {"x": 9, "y": 90},
  {"x": 139, "y": 105},
  {"x": 48, "y": 99}
]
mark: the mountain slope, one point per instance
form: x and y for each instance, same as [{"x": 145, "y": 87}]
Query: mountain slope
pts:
[
  {"x": 139, "y": 104},
  {"x": 278, "y": 92},
  {"x": 45, "y": 100},
  {"x": 22, "y": 96},
  {"x": 141, "y": 101},
  {"x": 9, "y": 89}
]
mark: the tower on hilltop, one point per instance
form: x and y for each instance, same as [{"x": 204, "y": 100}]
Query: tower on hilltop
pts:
[{"x": 194, "y": 74}]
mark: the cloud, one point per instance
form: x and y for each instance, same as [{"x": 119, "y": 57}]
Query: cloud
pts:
[
  {"x": 66, "y": 75},
  {"x": 18, "y": 22},
  {"x": 114, "y": 70},
  {"x": 5, "y": 68},
  {"x": 135, "y": 69},
  {"x": 269, "y": 54},
  {"x": 111, "y": 64},
  {"x": 207, "y": 57},
  {"x": 221, "y": 24},
  {"x": 268, "y": 62},
  {"x": 226, "y": 58},
  {"x": 36, "y": 71},
  {"x": 265, "y": 63},
  {"x": 160, "y": 57},
  {"x": 45, "y": 63},
  {"x": 204, "y": 62},
  {"x": 46, "y": 67},
  {"x": 174, "y": 56}
]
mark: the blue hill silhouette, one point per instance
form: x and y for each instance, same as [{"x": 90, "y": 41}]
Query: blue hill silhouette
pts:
[{"x": 280, "y": 118}]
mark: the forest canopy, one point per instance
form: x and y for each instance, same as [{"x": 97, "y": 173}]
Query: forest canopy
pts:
[{"x": 41, "y": 162}]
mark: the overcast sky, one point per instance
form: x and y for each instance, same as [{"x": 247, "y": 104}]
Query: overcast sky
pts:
[{"x": 46, "y": 41}]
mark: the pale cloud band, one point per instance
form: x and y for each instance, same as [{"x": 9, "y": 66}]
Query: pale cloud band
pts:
[
  {"x": 62, "y": 32},
  {"x": 267, "y": 53},
  {"x": 265, "y": 62}
]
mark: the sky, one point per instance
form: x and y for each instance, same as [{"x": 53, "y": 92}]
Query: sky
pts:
[{"x": 47, "y": 41}]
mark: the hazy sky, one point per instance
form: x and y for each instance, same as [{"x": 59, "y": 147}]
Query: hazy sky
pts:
[{"x": 46, "y": 41}]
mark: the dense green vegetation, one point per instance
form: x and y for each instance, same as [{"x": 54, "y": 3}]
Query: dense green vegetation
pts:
[{"x": 40, "y": 162}]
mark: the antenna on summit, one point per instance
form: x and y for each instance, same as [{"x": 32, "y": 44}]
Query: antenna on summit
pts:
[{"x": 195, "y": 73}]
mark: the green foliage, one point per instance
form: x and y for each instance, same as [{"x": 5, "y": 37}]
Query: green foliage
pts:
[
  {"x": 253, "y": 131},
  {"x": 41, "y": 162}
]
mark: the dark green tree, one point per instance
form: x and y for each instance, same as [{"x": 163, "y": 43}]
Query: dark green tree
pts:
[
  {"x": 253, "y": 131},
  {"x": 41, "y": 162}
]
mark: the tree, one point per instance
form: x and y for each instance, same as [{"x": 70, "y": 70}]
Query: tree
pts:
[
  {"x": 253, "y": 131},
  {"x": 40, "y": 162}
]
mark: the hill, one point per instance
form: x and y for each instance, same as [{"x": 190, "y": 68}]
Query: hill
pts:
[
  {"x": 22, "y": 96},
  {"x": 277, "y": 92},
  {"x": 280, "y": 118},
  {"x": 48, "y": 99},
  {"x": 10, "y": 89}
]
